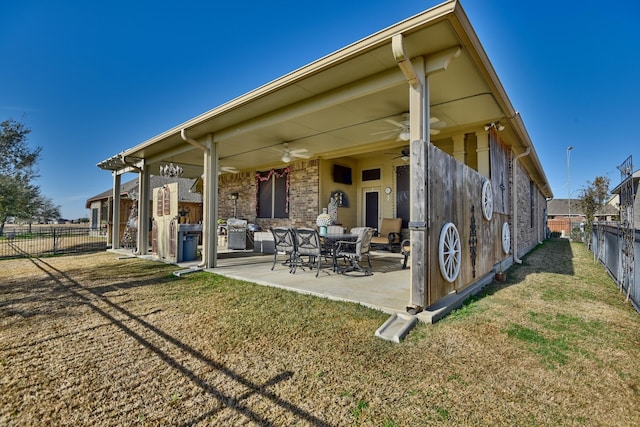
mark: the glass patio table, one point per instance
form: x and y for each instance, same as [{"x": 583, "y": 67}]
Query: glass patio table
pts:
[{"x": 330, "y": 245}]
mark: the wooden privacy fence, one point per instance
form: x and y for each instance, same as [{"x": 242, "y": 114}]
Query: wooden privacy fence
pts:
[
  {"x": 43, "y": 241},
  {"x": 607, "y": 246}
]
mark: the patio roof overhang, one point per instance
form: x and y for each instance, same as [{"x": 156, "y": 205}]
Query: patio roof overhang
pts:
[{"x": 335, "y": 106}]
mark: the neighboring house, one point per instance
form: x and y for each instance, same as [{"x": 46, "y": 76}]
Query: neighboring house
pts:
[
  {"x": 636, "y": 197},
  {"x": 101, "y": 205},
  {"x": 410, "y": 122},
  {"x": 562, "y": 215},
  {"x": 559, "y": 214}
]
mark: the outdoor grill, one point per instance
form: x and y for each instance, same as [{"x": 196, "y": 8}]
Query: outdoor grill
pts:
[{"x": 239, "y": 234}]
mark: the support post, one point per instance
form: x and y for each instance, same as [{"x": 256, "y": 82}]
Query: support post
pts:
[
  {"x": 210, "y": 205},
  {"x": 115, "y": 216},
  {"x": 459, "y": 151},
  {"x": 482, "y": 148},
  {"x": 419, "y": 188},
  {"x": 143, "y": 210}
]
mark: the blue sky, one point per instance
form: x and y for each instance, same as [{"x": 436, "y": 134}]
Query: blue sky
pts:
[{"x": 91, "y": 78}]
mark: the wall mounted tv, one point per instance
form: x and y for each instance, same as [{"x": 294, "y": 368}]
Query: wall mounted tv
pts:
[{"x": 342, "y": 174}]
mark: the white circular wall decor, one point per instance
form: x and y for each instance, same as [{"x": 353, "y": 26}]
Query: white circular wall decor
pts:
[
  {"x": 487, "y": 200},
  {"x": 449, "y": 252},
  {"x": 506, "y": 238}
]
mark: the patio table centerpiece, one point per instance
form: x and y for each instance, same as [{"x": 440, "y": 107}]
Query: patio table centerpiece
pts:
[{"x": 322, "y": 221}]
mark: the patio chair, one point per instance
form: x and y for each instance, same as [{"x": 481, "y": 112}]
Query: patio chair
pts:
[
  {"x": 335, "y": 229},
  {"x": 354, "y": 251},
  {"x": 284, "y": 243},
  {"x": 307, "y": 242},
  {"x": 389, "y": 234},
  {"x": 405, "y": 250}
]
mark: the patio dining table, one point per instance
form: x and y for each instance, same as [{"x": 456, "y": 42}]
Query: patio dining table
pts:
[{"x": 330, "y": 244}]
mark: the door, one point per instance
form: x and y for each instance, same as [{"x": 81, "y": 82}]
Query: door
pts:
[{"x": 371, "y": 208}]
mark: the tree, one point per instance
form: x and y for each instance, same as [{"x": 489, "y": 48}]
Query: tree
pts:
[
  {"x": 18, "y": 196},
  {"x": 592, "y": 199},
  {"x": 41, "y": 209}
]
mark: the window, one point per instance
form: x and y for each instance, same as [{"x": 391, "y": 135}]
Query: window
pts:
[
  {"x": 272, "y": 193},
  {"x": 371, "y": 174},
  {"x": 532, "y": 206}
]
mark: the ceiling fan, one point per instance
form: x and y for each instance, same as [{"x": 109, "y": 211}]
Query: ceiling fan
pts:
[
  {"x": 289, "y": 154},
  {"x": 404, "y": 154},
  {"x": 402, "y": 127},
  {"x": 227, "y": 169}
]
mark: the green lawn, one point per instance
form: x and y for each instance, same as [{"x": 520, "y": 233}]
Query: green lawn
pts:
[{"x": 92, "y": 340}]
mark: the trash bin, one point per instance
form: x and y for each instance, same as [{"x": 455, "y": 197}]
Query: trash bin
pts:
[
  {"x": 236, "y": 233},
  {"x": 190, "y": 247}
]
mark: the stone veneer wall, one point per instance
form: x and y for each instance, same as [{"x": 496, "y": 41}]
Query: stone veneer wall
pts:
[{"x": 304, "y": 179}]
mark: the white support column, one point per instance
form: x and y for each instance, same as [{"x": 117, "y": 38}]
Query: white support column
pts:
[
  {"x": 210, "y": 205},
  {"x": 482, "y": 148},
  {"x": 416, "y": 72},
  {"x": 115, "y": 216},
  {"x": 143, "y": 210},
  {"x": 459, "y": 151}
]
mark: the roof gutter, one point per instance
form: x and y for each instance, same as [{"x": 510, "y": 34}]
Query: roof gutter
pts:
[
  {"x": 127, "y": 162},
  {"x": 185, "y": 138},
  {"x": 514, "y": 203}
]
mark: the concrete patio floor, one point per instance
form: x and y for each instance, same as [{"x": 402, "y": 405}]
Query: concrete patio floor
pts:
[{"x": 387, "y": 290}]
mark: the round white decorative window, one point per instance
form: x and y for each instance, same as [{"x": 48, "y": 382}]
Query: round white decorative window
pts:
[
  {"x": 449, "y": 252},
  {"x": 506, "y": 238},
  {"x": 487, "y": 200}
]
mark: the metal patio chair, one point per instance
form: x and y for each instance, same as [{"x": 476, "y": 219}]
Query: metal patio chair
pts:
[
  {"x": 284, "y": 243},
  {"x": 354, "y": 251},
  {"x": 307, "y": 241}
]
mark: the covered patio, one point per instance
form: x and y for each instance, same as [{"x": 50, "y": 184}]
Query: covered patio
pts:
[{"x": 415, "y": 113}]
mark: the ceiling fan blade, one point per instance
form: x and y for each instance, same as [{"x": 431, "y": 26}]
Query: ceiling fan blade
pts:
[
  {"x": 395, "y": 123},
  {"x": 384, "y": 131},
  {"x": 299, "y": 151}
]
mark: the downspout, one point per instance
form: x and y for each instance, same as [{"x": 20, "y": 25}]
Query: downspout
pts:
[
  {"x": 419, "y": 293},
  {"x": 514, "y": 204},
  {"x": 185, "y": 138}
]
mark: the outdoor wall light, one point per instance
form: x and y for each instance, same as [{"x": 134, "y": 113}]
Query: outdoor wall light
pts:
[{"x": 234, "y": 196}]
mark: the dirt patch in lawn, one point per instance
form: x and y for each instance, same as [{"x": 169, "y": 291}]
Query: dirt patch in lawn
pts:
[{"x": 94, "y": 340}]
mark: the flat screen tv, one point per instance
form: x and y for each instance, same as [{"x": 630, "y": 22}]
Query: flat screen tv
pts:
[{"x": 342, "y": 174}]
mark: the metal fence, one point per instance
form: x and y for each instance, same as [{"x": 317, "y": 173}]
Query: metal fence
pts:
[
  {"x": 607, "y": 246},
  {"x": 49, "y": 240}
]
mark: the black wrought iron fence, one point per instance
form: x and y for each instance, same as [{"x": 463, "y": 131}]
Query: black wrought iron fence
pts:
[{"x": 51, "y": 240}]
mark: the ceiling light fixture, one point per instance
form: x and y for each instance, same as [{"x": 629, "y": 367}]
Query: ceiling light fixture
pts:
[
  {"x": 171, "y": 170},
  {"x": 286, "y": 157}
]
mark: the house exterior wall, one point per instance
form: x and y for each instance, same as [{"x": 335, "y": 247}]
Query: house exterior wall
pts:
[
  {"x": 304, "y": 203},
  {"x": 347, "y": 214},
  {"x": 531, "y": 206}
]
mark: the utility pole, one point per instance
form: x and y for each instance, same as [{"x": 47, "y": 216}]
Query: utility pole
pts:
[{"x": 569, "y": 148}]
